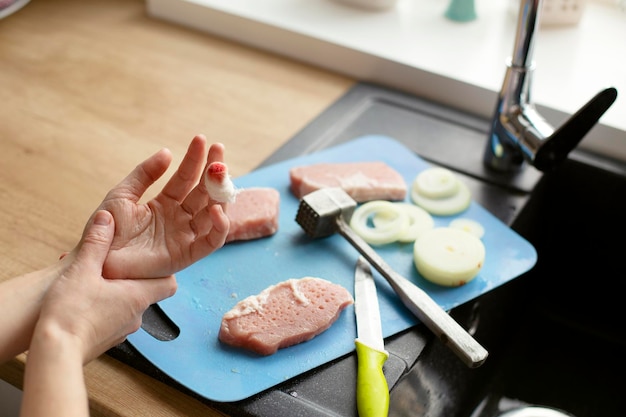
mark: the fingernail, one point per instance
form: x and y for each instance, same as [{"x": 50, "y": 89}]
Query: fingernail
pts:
[{"x": 102, "y": 218}]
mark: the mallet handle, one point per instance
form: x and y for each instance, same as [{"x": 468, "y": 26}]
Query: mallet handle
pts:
[{"x": 419, "y": 302}]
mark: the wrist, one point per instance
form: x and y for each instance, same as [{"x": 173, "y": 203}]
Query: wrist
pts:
[
  {"x": 54, "y": 383},
  {"x": 54, "y": 342}
]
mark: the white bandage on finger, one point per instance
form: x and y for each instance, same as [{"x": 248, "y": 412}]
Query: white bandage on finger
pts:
[{"x": 218, "y": 183}]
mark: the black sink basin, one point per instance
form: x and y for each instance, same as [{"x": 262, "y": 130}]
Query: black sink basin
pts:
[{"x": 556, "y": 335}]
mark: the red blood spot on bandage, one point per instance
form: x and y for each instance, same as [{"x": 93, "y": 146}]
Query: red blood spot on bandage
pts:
[
  {"x": 217, "y": 171},
  {"x": 218, "y": 183}
]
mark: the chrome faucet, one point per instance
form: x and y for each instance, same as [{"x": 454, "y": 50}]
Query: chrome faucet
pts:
[{"x": 518, "y": 133}]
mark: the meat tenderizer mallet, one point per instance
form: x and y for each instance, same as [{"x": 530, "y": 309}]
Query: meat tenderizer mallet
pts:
[{"x": 328, "y": 210}]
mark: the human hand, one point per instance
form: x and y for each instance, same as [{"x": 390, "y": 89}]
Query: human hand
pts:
[
  {"x": 97, "y": 312},
  {"x": 181, "y": 225}
]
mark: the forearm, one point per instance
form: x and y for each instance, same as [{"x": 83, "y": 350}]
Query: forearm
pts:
[
  {"x": 54, "y": 383},
  {"x": 20, "y": 302}
]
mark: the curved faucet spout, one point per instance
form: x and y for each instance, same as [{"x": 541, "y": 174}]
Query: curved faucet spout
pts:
[{"x": 518, "y": 132}]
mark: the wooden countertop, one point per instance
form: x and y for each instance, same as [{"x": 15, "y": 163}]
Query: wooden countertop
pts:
[{"x": 88, "y": 89}]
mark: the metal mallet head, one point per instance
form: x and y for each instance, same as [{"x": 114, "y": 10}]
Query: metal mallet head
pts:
[{"x": 318, "y": 211}]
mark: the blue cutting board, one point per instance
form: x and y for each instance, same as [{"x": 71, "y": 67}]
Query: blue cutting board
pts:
[{"x": 213, "y": 285}]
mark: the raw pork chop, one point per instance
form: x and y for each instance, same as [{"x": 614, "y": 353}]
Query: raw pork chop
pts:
[
  {"x": 254, "y": 214},
  {"x": 363, "y": 181},
  {"x": 284, "y": 314}
]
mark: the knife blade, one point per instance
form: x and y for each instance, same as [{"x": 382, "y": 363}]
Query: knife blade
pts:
[{"x": 372, "y": 391}]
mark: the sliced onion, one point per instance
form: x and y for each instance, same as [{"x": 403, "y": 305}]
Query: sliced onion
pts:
[
  {"x": 449, "y": 257},
  {"x": 387, "y": 232},
  {"x": 469, "y": 225},
  {"x": 436, "y": 182},
  {"x": 446, "y": 206},
  {"x": 419, "y": 221}
]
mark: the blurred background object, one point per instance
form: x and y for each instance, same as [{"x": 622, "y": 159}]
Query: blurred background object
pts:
[
  {"x": 461, "y": 10},
  {"x": 8, "y": 7},
  {"x": 556, "y": 12}
]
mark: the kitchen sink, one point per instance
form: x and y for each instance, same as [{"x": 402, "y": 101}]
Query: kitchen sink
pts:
[{"x": 555, "y": 335}]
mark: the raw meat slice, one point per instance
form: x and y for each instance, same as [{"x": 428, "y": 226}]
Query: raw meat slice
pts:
[
  {"x": 363, "y": 181},
  {"x": 254, "y": 214},
  {"x": 284, "y": 314}
]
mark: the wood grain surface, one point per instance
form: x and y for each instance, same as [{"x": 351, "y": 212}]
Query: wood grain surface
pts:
[{"x": 88, "y": 89}]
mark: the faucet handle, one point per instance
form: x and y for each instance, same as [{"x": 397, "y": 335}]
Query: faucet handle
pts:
[{"x": 562, "y": 141}]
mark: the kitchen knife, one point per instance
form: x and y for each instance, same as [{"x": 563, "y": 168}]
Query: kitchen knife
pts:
[{"x": 372, "y": 392}]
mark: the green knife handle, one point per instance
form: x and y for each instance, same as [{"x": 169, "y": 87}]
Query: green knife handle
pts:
[{"x": 372, "y": 392}]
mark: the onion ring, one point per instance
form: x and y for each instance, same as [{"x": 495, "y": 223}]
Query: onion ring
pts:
[
  {"x": 389, "y": 231},
  {"x": 419, "y": 221}
]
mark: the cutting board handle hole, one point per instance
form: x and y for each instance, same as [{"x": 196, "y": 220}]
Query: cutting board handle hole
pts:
[{"x": 158, "y": 325}]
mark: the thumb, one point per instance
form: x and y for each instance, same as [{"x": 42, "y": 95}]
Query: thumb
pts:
[{"x": 97, "y": 237}]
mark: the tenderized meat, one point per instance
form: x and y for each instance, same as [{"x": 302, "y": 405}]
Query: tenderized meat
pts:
[
  {"x": 363, "y": 181},
  {"x": 284, "y": 314},
  {"x": 254, "y": 214}
]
